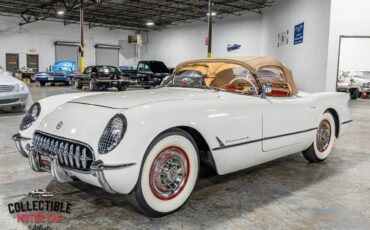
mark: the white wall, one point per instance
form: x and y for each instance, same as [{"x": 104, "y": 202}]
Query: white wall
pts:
[
  {"x": 258, "y": 36},
  {"x": 41, "y": 35},
  {"x": 307, "y": 60},
  {"x": 178, "y": 44},
  {"x": 346, "y": 18}
]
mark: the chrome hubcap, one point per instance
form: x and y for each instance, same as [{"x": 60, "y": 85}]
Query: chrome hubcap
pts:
[
  {"x": 323, "y": 136},
  {"x": 169, "y": 173}
]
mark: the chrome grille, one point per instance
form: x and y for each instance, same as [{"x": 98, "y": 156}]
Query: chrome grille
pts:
[
  {"x": 8, "y": 101},
  {"x": 70, "y": 154},
  {"x": 6, "y": 88}
]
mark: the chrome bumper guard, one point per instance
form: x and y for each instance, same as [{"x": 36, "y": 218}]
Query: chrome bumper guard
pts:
[
  {"x": 17, "y": 138},
  {"x": 97, "y": 169}
]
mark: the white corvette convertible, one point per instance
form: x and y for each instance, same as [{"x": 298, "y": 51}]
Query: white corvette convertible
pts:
[{"x": 228, "y": 113}]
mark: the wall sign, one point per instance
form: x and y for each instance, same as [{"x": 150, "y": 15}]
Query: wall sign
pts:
[
  {"x": 231, "y": 47},
  {"x": 283, "y": 38},
  {"x": 298, "y": 33}
]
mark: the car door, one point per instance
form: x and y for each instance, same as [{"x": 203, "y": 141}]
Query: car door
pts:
[
  {"x": 288, "y": 120},
  {"x": 86, "y": 75},
  {"x": 235, "y": 120}
]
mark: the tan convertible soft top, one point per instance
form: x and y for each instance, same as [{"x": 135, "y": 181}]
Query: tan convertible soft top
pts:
[{"x": 253, "y": 64}]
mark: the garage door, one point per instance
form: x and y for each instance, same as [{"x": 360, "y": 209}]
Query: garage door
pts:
[
  {"x": 107, "y": 55},
  {"x": 66, "y": 52}
]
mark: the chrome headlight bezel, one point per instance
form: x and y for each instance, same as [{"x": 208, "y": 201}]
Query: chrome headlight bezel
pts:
[
  {"x": 113, "y": 134},
  {"x": 31, "y": 116},
  {"x": 20, "y": 87}
]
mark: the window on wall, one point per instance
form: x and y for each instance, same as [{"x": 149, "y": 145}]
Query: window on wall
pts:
[{"x": 354, "y": 66}]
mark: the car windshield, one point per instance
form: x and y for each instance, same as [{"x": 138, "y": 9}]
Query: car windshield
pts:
[
  {"x": 107, "y": 69},
  {"x": 158, "y": 67},
  {"x": 215, "y": 75},
  {"x": 127, "y": 68},
  {"x": 63, "y": 67}
]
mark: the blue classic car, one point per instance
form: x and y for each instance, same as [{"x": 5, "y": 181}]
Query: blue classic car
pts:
[{"x": 61, "y": 71}]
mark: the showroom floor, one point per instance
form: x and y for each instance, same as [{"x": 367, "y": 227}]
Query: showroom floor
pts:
[{"x": 285, "y": 193}]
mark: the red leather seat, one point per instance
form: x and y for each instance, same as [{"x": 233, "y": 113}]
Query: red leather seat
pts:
[
  {"x": 278, "y": 93},
  {"x": 232, "y": 88}
]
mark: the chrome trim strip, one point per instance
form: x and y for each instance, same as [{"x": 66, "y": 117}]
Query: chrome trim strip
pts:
[
  {"x": 97, "y": 169},
  {"x": 118, "y": 80},
  {"x": 289, "y": 134},
  {"x": 346, "y": 122},
  {"x": 103, "y": 106},
  {"x": 17, "y": 138},
  {"x": 262, "y": 139}
]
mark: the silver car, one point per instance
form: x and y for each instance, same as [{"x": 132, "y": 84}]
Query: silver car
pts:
[{"x": 14, "y": 94}]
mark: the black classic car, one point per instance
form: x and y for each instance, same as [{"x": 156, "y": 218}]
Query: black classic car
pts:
[
  {"x": 102, "y": 77},
  {"x": 151, "y": 73},
  {"x": 130, "y": 72}
]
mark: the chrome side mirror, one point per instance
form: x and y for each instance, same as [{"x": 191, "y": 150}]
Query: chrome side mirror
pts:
[
  {"x": 266, "y": 89},
  {"x": 366, "y": 85}
]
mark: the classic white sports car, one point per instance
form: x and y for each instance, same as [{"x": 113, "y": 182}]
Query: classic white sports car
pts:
[{"x": 228, "y": 113}]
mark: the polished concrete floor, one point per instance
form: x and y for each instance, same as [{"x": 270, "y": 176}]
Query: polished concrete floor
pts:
[{"x": 287, "y": 193}]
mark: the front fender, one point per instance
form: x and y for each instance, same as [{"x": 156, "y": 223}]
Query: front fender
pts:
[{"x": 48, "y": 105}]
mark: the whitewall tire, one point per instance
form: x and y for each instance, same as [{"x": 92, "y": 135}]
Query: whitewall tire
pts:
[
  {"x": 323, "y": 141},
  {"x": 168, "y": 174}
]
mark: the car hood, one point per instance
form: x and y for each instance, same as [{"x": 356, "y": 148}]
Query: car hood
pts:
[
  {"x": 128, "y": 99},
  {"x": 6, "y": 78}
]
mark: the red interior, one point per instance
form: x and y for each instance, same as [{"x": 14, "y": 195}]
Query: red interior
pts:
[{"x": 274, "y": 93}]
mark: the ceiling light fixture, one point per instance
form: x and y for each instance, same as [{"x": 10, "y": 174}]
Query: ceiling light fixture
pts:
[
  {"x": 150, "y": 24},
  {"x": 60, "y": 12},
  {"x": 213, "y": 14}
]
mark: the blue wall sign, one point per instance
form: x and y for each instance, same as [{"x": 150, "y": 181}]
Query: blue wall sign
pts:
[
  {"x": 298, "y": 33},
  {"x": 231, "y": 47}
]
